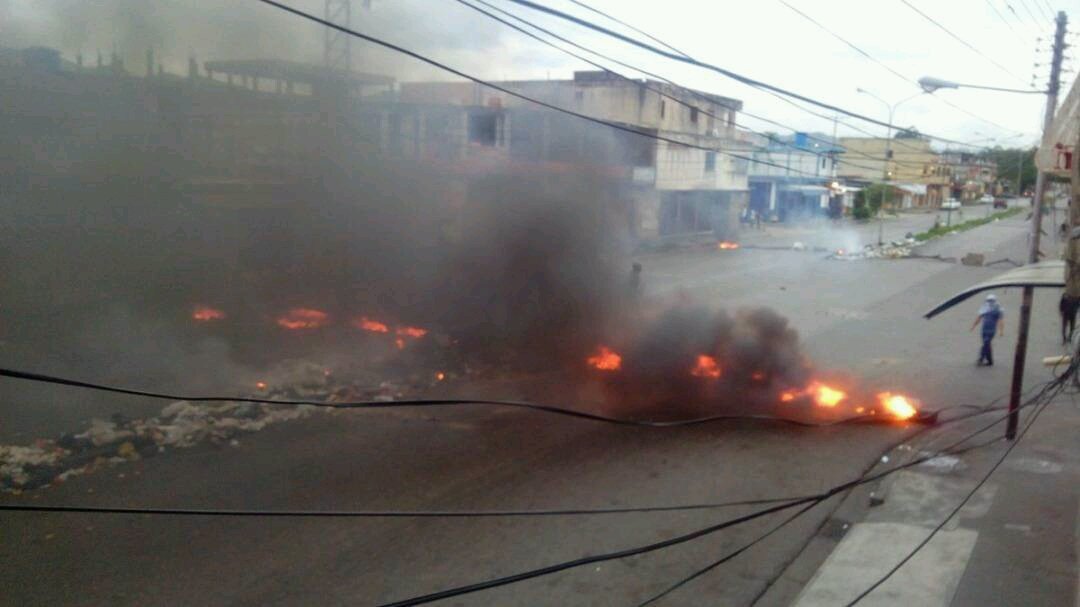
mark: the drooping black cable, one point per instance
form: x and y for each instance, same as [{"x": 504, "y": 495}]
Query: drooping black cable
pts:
[
  {"x": 1046, "y": 391},
  {"x": 571, "y": 564},
  {"x": 897, "y": 143},
  {"x": 1058, "y": 385},
  {"x": 887, "y": 67},
  {"x": 711, "y": 67},
  {"x": 383, "y": 513},
  {"x": 954, "y": 512},
  {"x": 614, "y": 125},
  {"x": 959, "y": 39},
  {"x": 628, "y": 26},
  {"x": 660, "y": 92},
  {"x": 432, "y": 402}
]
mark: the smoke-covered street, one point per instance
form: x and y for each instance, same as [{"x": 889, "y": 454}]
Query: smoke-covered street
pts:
[
  {"x": 858, "y": 317},
  {"x": 537, "y": 302}
]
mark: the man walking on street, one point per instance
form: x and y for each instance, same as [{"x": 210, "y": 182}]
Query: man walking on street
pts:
[
  {"x": 991, "y": 316},
  {"x": 1068, "y": 306}
]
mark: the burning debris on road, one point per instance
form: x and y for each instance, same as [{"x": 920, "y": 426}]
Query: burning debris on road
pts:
[{"x": 302, "y": 319}]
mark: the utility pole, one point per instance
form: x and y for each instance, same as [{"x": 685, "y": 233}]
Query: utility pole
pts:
[
  {"x": 1072, "y": 251},
  {"x": 337, "y": 49},
  {"x": 1036, "y": 231}
]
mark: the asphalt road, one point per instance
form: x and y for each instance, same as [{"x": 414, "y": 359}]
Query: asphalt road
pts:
[{"x": 861, "y": 317}]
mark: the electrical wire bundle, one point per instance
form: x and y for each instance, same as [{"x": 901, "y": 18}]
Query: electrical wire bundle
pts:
[{"x": 1043, "y": 394}]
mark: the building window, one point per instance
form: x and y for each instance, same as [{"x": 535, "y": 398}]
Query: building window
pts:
[
  {"x": 710, "y": 162},
  {"x": 823, "y": 162},
  {"x": 693, "y": 115},
  {"x": 661, "y": 109},
  {"x": 579, "y": 96}
]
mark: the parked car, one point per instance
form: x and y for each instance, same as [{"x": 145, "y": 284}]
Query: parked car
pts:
[
  {"x": 986, "y": 199},
  {"x": 1000, "y": 203},
  {"x": 951, "y": 203}
]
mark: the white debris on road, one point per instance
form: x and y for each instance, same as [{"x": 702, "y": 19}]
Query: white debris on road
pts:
[{"x": 180, "y": 424}]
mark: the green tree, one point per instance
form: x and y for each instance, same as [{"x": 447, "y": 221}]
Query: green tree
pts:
[
  {"x": 908, "y": 133},
  {"x": 869, "y": 199},
  {"x": 1010, "y": 161}
]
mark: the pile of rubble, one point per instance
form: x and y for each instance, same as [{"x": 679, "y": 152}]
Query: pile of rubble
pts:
[
  {"x": 182, "y": 424},
  {"x": 896, "y": 249}
]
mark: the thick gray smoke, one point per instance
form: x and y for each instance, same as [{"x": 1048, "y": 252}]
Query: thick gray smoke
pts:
[
  {"x": 246, "y": 29},
  {"x": 107, "y": 247},
  {"x": 755, "y": 352}
]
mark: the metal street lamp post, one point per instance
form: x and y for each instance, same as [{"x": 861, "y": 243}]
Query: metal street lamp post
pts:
[
  {"x": 888, "y": 154},
  {"x": 933, "y": 84}
]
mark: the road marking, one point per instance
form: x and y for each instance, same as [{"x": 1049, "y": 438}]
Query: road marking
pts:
[{"x": 869, "y": 550}]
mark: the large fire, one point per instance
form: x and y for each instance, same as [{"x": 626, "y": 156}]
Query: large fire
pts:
[
  {"x": 706, "y": 367},
  {"x": 822, "y": 394},
  {"x": 605, "y": 359},
  {"x": 303, "y": 318},
  {"x": 207, "y": 314},
  {"x": 826, "y": 396},
  {"x": 366, "y": 324},
  {"x": 897, "y": 405},
  {"x": 725, "y": 245}
]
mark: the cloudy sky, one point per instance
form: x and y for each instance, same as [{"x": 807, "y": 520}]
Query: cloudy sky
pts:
[{"x": 763, "y": 39}]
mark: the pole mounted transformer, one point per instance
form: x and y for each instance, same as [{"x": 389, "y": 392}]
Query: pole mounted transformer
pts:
[{"x": 337, "y": 52}]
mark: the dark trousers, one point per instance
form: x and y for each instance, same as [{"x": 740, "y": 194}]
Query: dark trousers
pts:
[{"x": 987, "y": 353}]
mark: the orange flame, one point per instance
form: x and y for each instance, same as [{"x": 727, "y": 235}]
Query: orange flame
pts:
[
  {"x": 260, "y": 385},
  {"x": 206, "y": 314},
  {"x": 826, "y": 396},
  {"x": 787, "y": 396},
  {"x": 706, "y": 367},
  {"x": 373, "y": 326},
  {"x": 605, "y": 359},
  {"x": 303, "y": 318},
  {"x": 725, "y": 245},
  {"x": 440, "y": 376},
  {"x": 413, "y": 332},
  {"x": 400, "y": 343},
  {"x": 758, "y": 376},
  {"x": 897, "y": 405}
]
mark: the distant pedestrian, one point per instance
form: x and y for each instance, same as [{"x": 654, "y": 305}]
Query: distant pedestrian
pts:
[
  {"x": 991, "y": 315},
  {"x": 757, "y": 219},
  {"x": 633, "y": 283},
  {"x": 1068, "y": 307}
]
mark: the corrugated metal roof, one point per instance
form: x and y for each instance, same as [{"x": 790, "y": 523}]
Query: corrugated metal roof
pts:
[{"x": 1042, "y": 274}]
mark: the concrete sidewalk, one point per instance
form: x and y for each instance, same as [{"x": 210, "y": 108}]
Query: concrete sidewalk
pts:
[{"x": 1014, "y": 543}]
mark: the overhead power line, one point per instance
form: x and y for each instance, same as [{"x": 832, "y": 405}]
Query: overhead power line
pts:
[
  {"x": 680, "y": 539},
  {"x": 764, "y": 536},
  {"x": 614, "y": 125},
  {"x": 952, "y": 514},
  {"x": 697, "y": 94},
  {"x": 628, "y": 26},
  {"x": 645, "y": 72},
  {"x": 960, "y": 40},
  {"x": 219, "y": 512},
  {"x": 711, "y": 67},
  {"x": 1027, "y": 8},
  {"x": 1043, "y": 394},
  {"x": 1002, "y": 18},
  {"x": 887, "y": 67},
  {"x": 897, "y": 143}
]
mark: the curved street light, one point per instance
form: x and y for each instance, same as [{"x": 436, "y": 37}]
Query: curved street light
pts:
[{"x": 929, "y": 84}]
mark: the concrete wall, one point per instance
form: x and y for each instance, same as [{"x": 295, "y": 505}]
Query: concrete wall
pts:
[
  {"x": 609, "y": 98},
  {"x": 793, "y": 163},
  {"x": 913, "y": 161}
]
